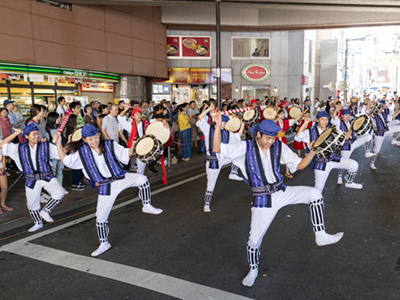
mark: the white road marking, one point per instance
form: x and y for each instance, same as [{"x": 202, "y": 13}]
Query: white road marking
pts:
[
  {"x": 160, "y": 283},
  {"x": 142, "y": 278}
]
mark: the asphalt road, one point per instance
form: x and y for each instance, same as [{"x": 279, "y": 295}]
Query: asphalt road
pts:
[{"x": 185, "y": 253}]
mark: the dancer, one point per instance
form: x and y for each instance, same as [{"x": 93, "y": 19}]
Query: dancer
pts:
[
  {"x": 323, "y": 166},
  {"x": 300, "y": 145},
  {"x": 353, "y": 142},
  {"x": 101, "y": 161},
  {"x": 34, "y": 159},
  {"x": 213, "y": 164},
  {"x": 284, "y": 124},
  {"x": 383, "y": 125},
  {"x": 259, "y": 160}
]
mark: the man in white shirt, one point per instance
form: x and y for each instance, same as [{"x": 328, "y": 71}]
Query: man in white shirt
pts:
[{"x": 60, "y": 108}]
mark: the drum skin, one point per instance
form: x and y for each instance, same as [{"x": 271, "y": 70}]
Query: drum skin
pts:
[
  {"x": 165, "y": 135},
  {"x": 148, "y": 148},
  {"x": 328, "y": 141},
  {"x": 295, "y": 112},
  {"x": 269, "y": 113},
  {"x": 250, "y": 117},
  {"x": 361, "y": 125},
  {"x": 76, "y": 135}
]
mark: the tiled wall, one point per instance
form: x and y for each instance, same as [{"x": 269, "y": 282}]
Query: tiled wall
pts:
[{"x": 120, "y": 39}]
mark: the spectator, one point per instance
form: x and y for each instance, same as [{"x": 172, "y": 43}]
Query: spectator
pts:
[
  {"x": 121, "y": 104},
  {"x": 160, "y": 113},
  {"x": 3, "y": 179},
  {"x": 110, "y": 127},
  {"x": 53, "y": 123},
  {"x": 75, "y": 108},
  {"x": 103, "y": 112},
  {"x": 135, "y": 103},
  {"x": 37, "y": 113},
  {"x": 167, "y": 105},
  {"x": 5, "y": 123},
  {"x": 13, "y": 119},
  {"x": 194, "y": 112},
  {"x": 77, "y": 175},
  {"x": 19, "y": 116},
  {"x": 60, "y": 108},
  {"x": 89, "y": 119},
  {"x": 186, "y": 131},
  {"x": 95, "y": 108}
]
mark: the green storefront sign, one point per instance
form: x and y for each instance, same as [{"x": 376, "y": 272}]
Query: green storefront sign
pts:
[{"x": 6, "y": 67}]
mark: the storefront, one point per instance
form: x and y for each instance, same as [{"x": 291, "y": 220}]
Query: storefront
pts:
[
  {"x": 256, "y": 73},
  {"x": 29, "y": 84},
  {"x": 191, "y": 84}
]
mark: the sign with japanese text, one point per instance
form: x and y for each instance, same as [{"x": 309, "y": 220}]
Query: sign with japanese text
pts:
[
  {"x": 173, "y": 47},
  {"x": 200, "y": 75},
  {"x": 97, "y": 87},
  {"x": 180, "y": 75},
  {"x": 166, "y": 80},
  {"x": 196, "y": 47}
]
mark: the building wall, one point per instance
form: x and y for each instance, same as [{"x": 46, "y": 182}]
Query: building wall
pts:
[
  {"x": 120, "y": 39},
  {"x": 286, "y": 62}
]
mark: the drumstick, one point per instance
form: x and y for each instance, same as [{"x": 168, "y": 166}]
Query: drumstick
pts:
[
  {"x": 233, "y": 111},
  {"x": 60, "y": 130}
]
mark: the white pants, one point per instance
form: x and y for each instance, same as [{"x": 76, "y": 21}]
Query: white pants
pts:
[
  {"x": 378, "y": 140},
  {"x": 358, "y": 143},
  {"x": 141, "y": 166},
  {"x": 212, "y": 174},
  {"x": 321, "y": 176},
  {"x": 262, "y": 217},
  {"x": 105, "y": 203},
  {"x": 53, "y": 187}
]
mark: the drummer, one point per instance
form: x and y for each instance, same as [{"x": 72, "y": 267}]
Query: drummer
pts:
[
  {"x": 270, "y": 194},
  {"x": 353, "y": 142},
  {"x": 284, "y": 124},
  {"x": 383, "y": 125},
  {"x": 254, "y": 104},
  {"x": 213, "y": 164},
  {"x": 101, "y": 162},
  {"x": 34, "y": 158},
  {"x": 283, "y": 107},
  {"x": 323, "y": 166}
]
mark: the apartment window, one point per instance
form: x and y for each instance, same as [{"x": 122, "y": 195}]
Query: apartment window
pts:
[{"x": 250, "y": 48}]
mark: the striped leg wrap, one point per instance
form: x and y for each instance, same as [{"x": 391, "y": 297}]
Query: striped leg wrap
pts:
[
  {"x": 145, "y": 193},
  {"x": 102, "y": 231},
  {"x": 350, "y": 177},
  {"x": 37, "y": 219},
  {"x": 208, "y": 197},
  {"x": 51, "y": 204},
  {"x": 234, "y": 169},
  {"x": 367, "y": 146},
  {"x": 373, "y": 159},
  {"x": 341, "y": 172},
  {"x": 395, "y": 135},
  {"x": 317, "y": 212},
  {"x": 253, "y": 257}
]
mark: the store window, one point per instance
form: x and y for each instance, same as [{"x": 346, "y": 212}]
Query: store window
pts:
[{"x": 250, "y": 48}]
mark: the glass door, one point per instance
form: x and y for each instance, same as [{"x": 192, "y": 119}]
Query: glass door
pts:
[{"x": 181, "y": 94}]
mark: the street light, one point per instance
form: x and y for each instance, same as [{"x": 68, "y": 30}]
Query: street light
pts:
[
  {"x": 236, "y": 90},
  {"x": 275, "y": 90}
]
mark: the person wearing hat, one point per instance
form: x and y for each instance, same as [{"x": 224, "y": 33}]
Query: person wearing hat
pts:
[
  {"x": 353, "y": 142},
  {"x": 259, "y": 159},
  {"x": 101, "y": 162},
  {"x": 213, "y": 164},
  {"x": 34, "y": 158},
  {"x": 323, "y": 166},
  {"x": 254, "y": 104},
  {"x": 383, "y": 125}
]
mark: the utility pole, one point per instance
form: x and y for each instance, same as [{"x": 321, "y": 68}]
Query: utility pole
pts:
[
  {"x": 218, "y": 48},
  {"x": 345, "y": 68}
]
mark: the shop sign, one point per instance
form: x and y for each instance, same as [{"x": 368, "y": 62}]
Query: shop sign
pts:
[
  {"x": 167, "y": 80},
  {"x": 226, "y": 75},
  {"x": 97, "y": 87},
  {"x": 34, "y": 77},
  {"x": 158, "y": 98},
  {"x": 201, "y": 75},
  {"x": 255, "y": 72},
  {"x": 173, "y": 47},
  {"x": 196, "y": 47},
  {"x": 4, "y": 76},
  {"x": 74, "y": 73},
  {"x": 181, "y": 75}
]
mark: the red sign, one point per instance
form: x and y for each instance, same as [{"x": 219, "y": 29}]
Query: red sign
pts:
[
  {"x": 196, "y": 47},
  {"x": 181, "y": 75},
  {"x": 168, "y": 80},
  {"x": 173, "y": 46},
  {"x": 97, "y": 87},
  {"x": 255, "y": 72},
  {"x": 4, "y": 76},
  {"x": 200, "y": 75}
]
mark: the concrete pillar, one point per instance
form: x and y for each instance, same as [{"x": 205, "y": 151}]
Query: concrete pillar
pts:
[{"x": 131, "y": 87}]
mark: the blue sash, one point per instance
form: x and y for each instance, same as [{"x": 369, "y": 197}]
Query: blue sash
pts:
[
  {"x": 95, "y": 177},
  {"x": 382, "y": 125},
  {"x": 347, "y": 143},
  {"x": 211, "y": 157},
  {"x": 43, "y": 171},
  {"x": 261, "y": 188}
]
